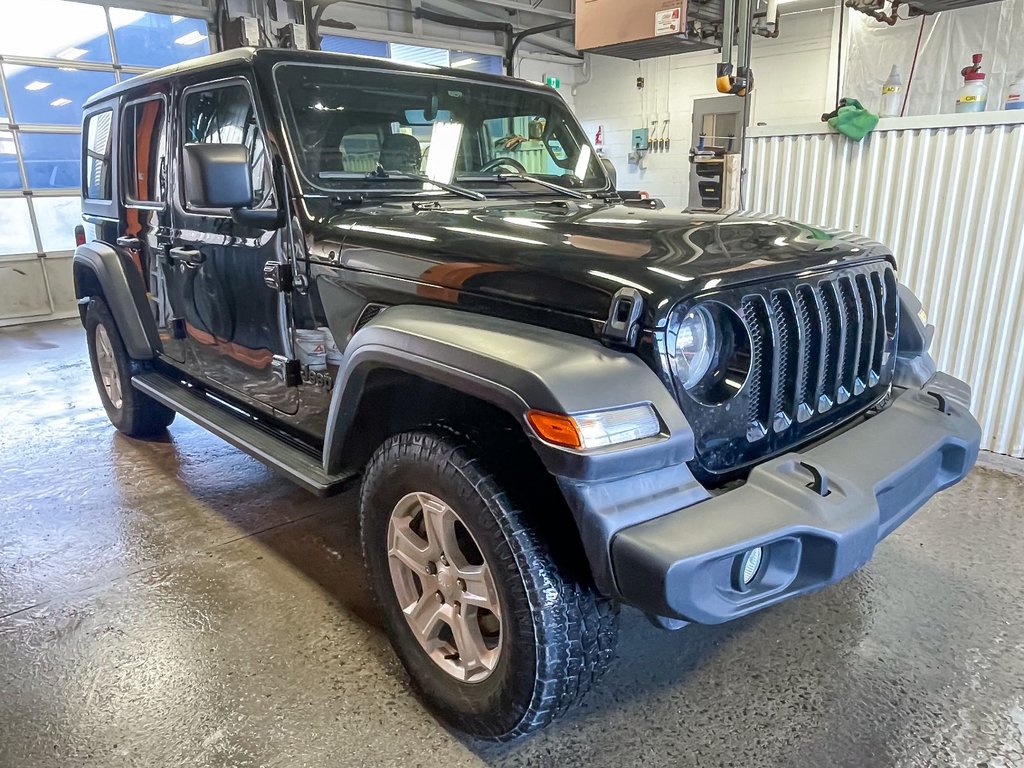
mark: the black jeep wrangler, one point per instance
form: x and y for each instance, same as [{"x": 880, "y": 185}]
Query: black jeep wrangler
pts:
[{"x": 556, "y": 402}]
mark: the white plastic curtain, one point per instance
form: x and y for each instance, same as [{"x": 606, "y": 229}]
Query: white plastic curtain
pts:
[{"x": 995, "y": 30}]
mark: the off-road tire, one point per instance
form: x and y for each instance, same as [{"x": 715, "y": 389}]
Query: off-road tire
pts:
[
  {"x": 558, "y": 634},
  {"x": 138, "y": 415}
]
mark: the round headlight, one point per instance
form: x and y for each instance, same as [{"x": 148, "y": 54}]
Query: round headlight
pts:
[{"x": 695, "y": 345}]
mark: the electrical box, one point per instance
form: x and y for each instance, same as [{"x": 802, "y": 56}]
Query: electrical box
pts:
[
  {"x": 643, "y": 29},
  {"x": 641, "y": 139}
]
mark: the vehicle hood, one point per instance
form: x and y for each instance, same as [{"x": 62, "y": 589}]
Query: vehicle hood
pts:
[{"x": 573, "y": 256}]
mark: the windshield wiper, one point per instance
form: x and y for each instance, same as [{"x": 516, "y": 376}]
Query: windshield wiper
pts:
[
  {"x": 549, "y": 184},
  {"x": 381, "y": 175}
]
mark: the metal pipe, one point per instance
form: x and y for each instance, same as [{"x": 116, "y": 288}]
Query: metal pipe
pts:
[{"x": 728, "y": 31}]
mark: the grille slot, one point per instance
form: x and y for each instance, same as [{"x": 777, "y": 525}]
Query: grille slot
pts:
[
  {"x": 816, "y": 345},
  {"x": 755, "y": 315}
]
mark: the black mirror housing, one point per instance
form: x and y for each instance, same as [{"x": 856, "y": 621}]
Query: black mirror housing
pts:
[
  {"x": 609, "y": 169},
  {"x": 218, "y": 176}
]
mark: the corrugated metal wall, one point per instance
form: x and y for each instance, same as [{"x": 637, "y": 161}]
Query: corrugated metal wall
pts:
[{"x": 950, "y": 203}]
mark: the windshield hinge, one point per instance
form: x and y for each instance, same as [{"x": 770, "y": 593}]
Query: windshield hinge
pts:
[
  {"x": 426, "y": 205},
  {"x": 623, "y": 324}
]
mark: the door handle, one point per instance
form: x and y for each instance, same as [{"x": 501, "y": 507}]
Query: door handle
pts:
[
  {"x": 186, "y": 256},
  {"x": 132, "y": 243}
]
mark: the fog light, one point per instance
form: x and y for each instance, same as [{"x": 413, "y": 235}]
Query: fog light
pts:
[{"x": 748, "y": 566}]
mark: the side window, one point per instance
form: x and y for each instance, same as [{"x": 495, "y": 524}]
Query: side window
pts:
[
  {"x": 226, "y": 115},
  {"x": 145, "y": 153},
  {"x": 97, "y": 185}
]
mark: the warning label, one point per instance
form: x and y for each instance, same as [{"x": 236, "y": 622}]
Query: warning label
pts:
[{"x": 668, "y": 22}]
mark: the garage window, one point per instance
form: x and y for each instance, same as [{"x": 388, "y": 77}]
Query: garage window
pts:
[{"x": 97, "y": 155}]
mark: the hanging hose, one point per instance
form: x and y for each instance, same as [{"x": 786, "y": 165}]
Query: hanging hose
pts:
[{"x": 913, "y": 67}]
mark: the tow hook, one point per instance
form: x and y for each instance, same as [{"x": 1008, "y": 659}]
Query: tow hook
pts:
[{"x": 819, "y": 483}]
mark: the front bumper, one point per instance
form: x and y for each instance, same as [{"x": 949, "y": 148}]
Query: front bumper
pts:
[{"x": 682, "y": 565}]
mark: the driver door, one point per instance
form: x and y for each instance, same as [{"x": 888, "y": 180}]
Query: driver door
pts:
[{"x": 238, "y": 329}]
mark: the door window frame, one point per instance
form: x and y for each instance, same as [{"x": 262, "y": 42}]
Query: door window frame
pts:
[
  {"x": 269, "y": 197},
  {"x": 126, "y": 199},
  {"x": 101, "y": 207}
]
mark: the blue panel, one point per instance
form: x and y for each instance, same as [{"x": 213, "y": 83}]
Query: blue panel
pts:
[
  {"x": 156, "y": 39},
  {"x": 478, "y": 62},
  {"x": 415, "y": 54},
  {"x": 54, "y": 29},
  {"x": 52, "y": 95},
  {"x": 52, "y": 160},
  {"x": 353, "y": 45}
]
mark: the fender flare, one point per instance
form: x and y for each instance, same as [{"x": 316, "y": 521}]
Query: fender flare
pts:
[
  {"x": 517, "y": 367},
  {"x": 124, "y": 291}
]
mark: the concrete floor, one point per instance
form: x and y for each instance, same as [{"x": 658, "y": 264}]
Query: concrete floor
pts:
[{"x": 175, "y": 603}]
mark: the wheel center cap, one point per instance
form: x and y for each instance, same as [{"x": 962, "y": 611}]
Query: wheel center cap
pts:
[{"x": 446, "y": 581}]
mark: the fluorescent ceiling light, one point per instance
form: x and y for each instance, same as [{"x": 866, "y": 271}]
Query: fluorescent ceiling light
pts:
[
  {"x": 37, "y": 85},
  {"x": 464, "y": 63},
  {"x": 61, "y": 102},
  {"x": 191, "y": 38},
  {"x": 72, "y": 53}
]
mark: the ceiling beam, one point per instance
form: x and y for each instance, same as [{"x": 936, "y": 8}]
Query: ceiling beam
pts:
[
  {"x": 517, "y": 7},
  {"x": 546, "y": 41}
]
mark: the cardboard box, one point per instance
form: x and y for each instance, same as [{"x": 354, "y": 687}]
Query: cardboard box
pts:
[{"x": 601, "y": 23}]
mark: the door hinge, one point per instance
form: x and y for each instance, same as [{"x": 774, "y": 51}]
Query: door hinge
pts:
[
  {"x": 279, "y": 276},
  {"x": 623, "y": 324},
  {"x": 289, "y": 371}
]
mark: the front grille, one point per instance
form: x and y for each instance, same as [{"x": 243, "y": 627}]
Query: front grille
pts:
[{"x": 821, "y": 351}]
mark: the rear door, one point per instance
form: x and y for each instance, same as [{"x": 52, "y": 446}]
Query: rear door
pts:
[
  {"x": 238, "y": 329},
  {"x": 147, "y": 219}
]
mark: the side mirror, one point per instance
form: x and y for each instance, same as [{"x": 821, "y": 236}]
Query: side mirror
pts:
[
  {"x": 609, "y": 168},
  {"x": 218, "y": 176}
]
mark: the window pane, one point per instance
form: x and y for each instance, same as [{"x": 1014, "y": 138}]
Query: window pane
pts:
[
  {"x": 144, "y": 151},
  {"x": 52, "y": 95},
  {"x": 477, "y": 62},
  {"x": 53, "y": 160},
  {"x": 155, "y": 39},
  {"x": 15, "y": 227},
  {"x": 97, "y": 163},
  {"x": 57, "y": 218},
  {"x": 414, "y": 54},
  {"x": 353, "y": 45},
  {"x": 55, "y": 28},
  {"x": 227, "y": 116},
  {"x": 10, "y": 174}
]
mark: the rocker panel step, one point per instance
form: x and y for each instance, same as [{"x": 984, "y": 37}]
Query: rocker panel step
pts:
[{"x": 290, "y": 461}]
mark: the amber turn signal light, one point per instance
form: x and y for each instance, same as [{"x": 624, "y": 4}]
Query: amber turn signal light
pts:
[{"x": 555, "y": 428}]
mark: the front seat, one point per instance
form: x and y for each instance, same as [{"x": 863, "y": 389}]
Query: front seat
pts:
[{"x": 400, "y": 152}]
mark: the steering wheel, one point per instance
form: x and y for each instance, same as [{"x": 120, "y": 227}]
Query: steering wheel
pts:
[{"x": 498, "y": 162}]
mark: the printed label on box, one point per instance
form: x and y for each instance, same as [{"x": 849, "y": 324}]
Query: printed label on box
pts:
[{"x": 668, "y": 22}]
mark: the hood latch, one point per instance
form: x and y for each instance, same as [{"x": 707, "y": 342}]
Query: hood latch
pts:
[{"x": 623, "y": 324}]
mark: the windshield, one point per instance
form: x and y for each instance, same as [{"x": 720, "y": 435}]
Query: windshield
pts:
[{"x": 356, "y": 129}]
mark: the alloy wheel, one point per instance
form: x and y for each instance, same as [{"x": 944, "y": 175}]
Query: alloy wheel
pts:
[
  {"x": 107, "y": 364},
  {"x": 445, "y": 587}
]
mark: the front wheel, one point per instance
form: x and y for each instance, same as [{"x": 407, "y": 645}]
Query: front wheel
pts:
[
  {"x": 132, "y": 412},
  {"x": 496, "y": 636}
]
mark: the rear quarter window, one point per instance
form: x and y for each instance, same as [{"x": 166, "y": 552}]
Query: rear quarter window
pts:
[{"x": 96, "y": 161}]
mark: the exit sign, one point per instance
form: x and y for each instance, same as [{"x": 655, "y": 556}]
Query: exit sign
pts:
[{"x": 552, "y": 81}]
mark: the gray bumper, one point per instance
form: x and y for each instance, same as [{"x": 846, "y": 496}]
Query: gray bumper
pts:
[{"x": 878, "y": 473}]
